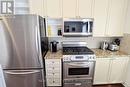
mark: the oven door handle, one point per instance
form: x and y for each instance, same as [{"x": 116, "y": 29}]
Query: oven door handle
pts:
[{"x": 79, "y": 64}]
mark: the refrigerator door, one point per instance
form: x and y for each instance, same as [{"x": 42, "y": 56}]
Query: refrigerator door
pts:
[
  {"x": 20, "y": 42},
  {"x": 24, "y": 78}
]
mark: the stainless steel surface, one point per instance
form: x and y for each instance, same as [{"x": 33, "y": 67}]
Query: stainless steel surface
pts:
[
  {"x": 84, "y": 57},
  {"x": 24, "y": 78},
  {"x": 78, "y": 68},
  {"x": 113, "y": 47},
  {"x": 84, "y": 27},
  {"x": 84, "y": 64},
  {"x": 22, "y": 39},
  {"x": 78, "y": 83},
  {"x": 22, "y": 60},
  {"x": 78, "y": 19},
  {"x": 104, "y": 45}
]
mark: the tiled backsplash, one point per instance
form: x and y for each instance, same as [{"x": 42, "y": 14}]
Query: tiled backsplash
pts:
[
  {"x": 92, "y": 42},
  {"x": 125, "y": 43}
]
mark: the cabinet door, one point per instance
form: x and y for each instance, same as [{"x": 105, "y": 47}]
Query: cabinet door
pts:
[
  {"x": 69, "y": 8},
  {"x": 36, "y": 7},
  {"x": 54, "y": 8},
  {"x": 118, "y": 70},
  {"x": 116, "y": 18},
  {"x": 100, "y": 17},
  {"x": 85, "y": 8},
  {"x": 101, "y": 71}
]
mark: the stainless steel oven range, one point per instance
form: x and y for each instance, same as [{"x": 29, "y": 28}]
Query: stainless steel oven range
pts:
[{"x": 78, "y": 65}]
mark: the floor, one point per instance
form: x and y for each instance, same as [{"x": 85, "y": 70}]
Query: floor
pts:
[{"x": 115, "y": 85}]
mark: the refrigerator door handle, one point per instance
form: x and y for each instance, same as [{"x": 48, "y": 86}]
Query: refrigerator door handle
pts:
[
  {"x": 22, "y": 72},
  {"x": 36, "y": 40}
]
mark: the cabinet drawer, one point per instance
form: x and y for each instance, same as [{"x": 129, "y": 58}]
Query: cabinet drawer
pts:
[
  {"x": 53, "y": 68},
  {"x": 53, "y": 82},
  {"x": 53, "y": 65},
  {"x": 53, "y": 75},
  {"x": 53, "y": 60},
  {"x": 53, "y": 71}
]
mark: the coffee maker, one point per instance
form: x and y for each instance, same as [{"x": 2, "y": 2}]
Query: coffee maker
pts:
[{"x": 54, "y": 46}]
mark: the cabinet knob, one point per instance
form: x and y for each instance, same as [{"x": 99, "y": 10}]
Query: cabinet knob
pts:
[{"x": 53, "y": 81}]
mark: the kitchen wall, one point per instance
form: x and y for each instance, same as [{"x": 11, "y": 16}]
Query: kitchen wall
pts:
[
  {"x": 125, "y": 47},
  {"x": 125, "y": 43},
  {"x": 92, "y": 42}
]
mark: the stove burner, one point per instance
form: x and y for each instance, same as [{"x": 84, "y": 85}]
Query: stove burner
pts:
[{"x": 76, "y": 51}]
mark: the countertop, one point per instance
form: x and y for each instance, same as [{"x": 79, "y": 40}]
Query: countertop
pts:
[
  {"x": 54, "y": 55},
  {"x": 108, "y": 54},
  {"x": 98, "y": 52}
]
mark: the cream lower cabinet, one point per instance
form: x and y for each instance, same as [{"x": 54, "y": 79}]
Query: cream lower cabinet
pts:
[
  {"x": 118, "y": 68},
  {"x": 101, "y": 71},
  {"x": 53, "y": 72},
  {"x": 110, "y": 70}
]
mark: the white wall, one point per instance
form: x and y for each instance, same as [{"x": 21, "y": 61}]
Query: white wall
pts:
[{"x": 127, "y": 27}]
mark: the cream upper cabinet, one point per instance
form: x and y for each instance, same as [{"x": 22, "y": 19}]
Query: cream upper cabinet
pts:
[
  {"x": 53, "y": 8},
  {"x": 117, "y": 11},
  {"x": 69, "y": 8},
  {"x": 101, "y": 71},
  {"x": 118, "y": 70},
  {"x": 85, "y": 8},
  {"x": 109, "y": 18},
  {"x": 36, "y": 7},
  {"x": 100, "y": 17}
]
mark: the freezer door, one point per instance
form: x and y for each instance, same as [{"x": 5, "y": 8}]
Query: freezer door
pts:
[
  {"x": 24, "y": 78},
  {"x": 20, "y": 42}
]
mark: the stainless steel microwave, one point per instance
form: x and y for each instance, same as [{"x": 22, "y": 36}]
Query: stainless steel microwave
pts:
[{"x": 78, "y": 27}]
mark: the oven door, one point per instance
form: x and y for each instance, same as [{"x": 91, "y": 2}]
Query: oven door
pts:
[{"x": 78, "y": 70}]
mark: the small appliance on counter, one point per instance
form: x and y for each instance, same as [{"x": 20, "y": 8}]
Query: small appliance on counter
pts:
[
  {"x": 114, "y": 46},
  {"x": 54, "y": 46},
  {"x": 104, "y": 45}
]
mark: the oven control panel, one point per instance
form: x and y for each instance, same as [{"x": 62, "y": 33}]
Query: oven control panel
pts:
[{"x": 78, "y": 57}]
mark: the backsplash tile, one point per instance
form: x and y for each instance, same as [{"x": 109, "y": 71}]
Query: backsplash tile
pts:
[
  {"x": 125, "y": 44},
  {"x": 92, "y": 42}
]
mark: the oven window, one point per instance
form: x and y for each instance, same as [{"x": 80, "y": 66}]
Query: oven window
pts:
[{"x": 78, "y": 71}]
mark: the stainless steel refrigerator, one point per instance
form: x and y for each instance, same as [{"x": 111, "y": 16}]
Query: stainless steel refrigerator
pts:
[{"x": 21, "y": 53}]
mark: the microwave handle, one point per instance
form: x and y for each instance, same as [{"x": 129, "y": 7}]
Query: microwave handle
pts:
[
  {"x": 88, "y": 27},
  {"x": 79, "y": 65}
]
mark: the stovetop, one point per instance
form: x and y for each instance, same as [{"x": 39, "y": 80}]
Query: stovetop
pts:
[{"x": 77, "y": 51}]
